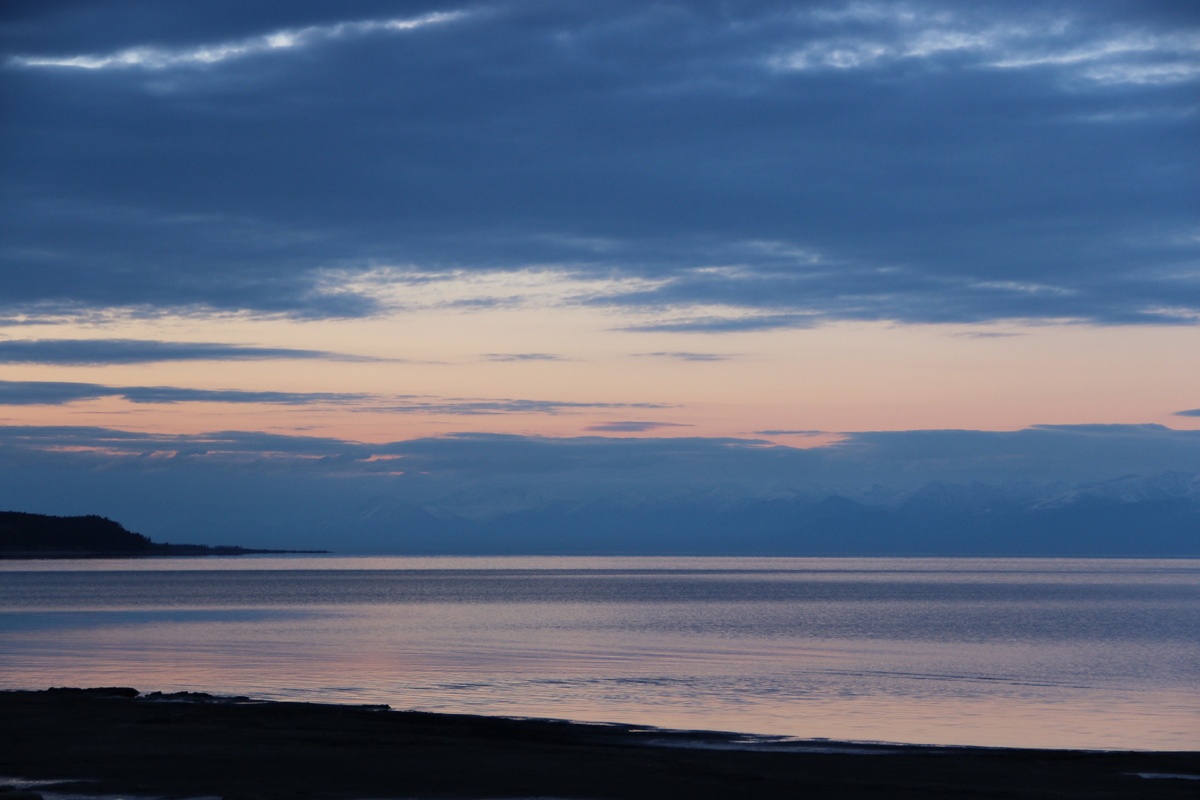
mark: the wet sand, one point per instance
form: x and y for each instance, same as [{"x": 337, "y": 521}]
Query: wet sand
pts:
[{"x": 191, "y": 745}]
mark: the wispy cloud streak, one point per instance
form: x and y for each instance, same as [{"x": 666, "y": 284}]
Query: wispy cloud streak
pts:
[
  {"x": 73, "y": 352},
  {"x": 21, "y": 393},
  {"x": 486, "y": 406},
  {"x": 873, "y": 36},
  {"x": 633, "y": 426},
  {"x": 689, "y": 356},
  {"x": 502, "y": 357},
  {"x": 159, "y": 58}
]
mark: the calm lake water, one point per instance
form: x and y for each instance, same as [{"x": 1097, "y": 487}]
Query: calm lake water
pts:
[{"x": 1028, "y": 652}]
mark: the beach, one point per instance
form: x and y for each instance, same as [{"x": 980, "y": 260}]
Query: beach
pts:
[{"x": 116, "y": 740}]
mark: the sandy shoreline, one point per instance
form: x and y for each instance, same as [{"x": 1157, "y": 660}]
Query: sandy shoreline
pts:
[{"x": 197, "y": 745}]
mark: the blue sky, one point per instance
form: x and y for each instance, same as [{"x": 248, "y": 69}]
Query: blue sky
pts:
[{"x": 785, "y": 226}]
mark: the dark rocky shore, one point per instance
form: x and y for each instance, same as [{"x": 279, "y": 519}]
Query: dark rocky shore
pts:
[
  {"x": 117, "y": 741},
  {"x": 29, "y": 536}
]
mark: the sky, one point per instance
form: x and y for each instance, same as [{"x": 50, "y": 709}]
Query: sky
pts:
[{"x": 401, "y": 239}]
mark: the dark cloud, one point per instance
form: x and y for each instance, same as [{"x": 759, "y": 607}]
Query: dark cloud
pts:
[
  {"x": 466, "y": 457},
  {"x": 92, "y": 446},
  {"x": 19, "y": 393},
  {"x": 795, "y": 162},
  {"x": 633, "y": 426},
  {"x": 1192, "y": 412},
  {"x": 142, "y": 351}
]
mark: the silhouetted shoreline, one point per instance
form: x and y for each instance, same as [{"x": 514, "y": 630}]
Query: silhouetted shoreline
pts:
[
  {"x": 160, "y": 551},
  {"x": 191, "y": 744},
  {"x": 41, "y": 536}
]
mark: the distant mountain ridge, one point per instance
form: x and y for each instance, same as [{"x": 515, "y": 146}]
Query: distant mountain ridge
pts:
[
  {"x": 1130, "y": 516},
  {"x": 24, "y": 535}
]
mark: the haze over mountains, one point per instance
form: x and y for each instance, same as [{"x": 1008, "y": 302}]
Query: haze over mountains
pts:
[
  {"x": 1135, "y": 516},
  {"x": 1055, "y": 490}
]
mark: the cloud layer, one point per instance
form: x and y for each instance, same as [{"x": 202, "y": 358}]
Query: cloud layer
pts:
[
  {"x": 50, "y": 393},
  {"x": 25, "y": 393},
  {"x": 77, "y": 352},
  {"x": 748, "y": 167},
  {"x": 854, "y": 463}
]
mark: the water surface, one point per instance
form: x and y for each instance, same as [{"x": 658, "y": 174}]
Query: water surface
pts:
[{"x": 1028, "y": 652}]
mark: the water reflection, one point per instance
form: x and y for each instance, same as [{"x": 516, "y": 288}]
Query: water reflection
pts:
[{"x": 991, "y": 652}]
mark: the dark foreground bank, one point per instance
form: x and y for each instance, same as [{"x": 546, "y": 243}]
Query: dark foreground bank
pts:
[{"x": 116, "y": 741}]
